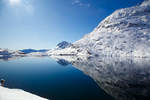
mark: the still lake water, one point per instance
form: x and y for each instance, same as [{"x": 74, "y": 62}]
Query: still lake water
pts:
[{"x": 55, "y": 80}]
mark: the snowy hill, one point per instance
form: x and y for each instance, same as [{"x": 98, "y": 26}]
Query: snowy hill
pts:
[
  {"x": 6, "y": 53},
  {"x": 9, "y": 53},
  {"x": 63, "y": 45},
  {"x": 126, "y": 32},
  {"x": 33, "y": 52},
  {"x": 59, "y": 47},
  {"x": 26, "y": 51}
]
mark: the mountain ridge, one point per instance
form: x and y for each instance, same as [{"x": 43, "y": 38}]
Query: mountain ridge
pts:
[{"x": 126, "y": 32}]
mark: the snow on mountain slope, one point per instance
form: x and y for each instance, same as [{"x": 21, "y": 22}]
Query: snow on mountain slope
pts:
[
  {"x": 126, "y": 32},
  {"x": 63, "y": 45},
  {"x": 10, "y": 53},
  {"x": 146, "y": 3},
  {"x": 59, "y": 48},
  {"x": 26, "y": 51},
  {"x": 34, "y": 52},
  {"x": 6, "y": 53}
]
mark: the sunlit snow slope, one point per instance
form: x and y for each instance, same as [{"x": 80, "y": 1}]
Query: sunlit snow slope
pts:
[{"x": 126, "y": 32}]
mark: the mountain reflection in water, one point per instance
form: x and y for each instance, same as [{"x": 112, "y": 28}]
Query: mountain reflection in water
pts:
[{"x": 122, "y": 78}]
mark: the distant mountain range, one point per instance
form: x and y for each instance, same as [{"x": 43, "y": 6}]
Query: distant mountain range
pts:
[
  {"x": 26, "y": 51},
  {"x": 6, "y": 53}
]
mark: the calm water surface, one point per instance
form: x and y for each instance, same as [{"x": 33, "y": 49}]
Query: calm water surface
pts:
[{"x": 50, "y": 79}]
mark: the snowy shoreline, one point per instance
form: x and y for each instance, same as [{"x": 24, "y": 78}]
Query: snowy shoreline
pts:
[{"x": 17, "y": 94}]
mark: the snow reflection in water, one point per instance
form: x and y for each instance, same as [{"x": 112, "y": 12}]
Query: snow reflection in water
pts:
[{"x": 122, "y": 78}]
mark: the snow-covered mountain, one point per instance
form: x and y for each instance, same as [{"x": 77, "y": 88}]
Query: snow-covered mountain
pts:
[
  {"x": 6, "y": 53},
  {"x": 34, "y": 52},
  {"x": 63, "y": 45},
  {"x": 126, "y": 32},
  {"x": 9, "y": 53},
  {"x": 26, "y": 51},
  {"x": 59, "y": 47}
]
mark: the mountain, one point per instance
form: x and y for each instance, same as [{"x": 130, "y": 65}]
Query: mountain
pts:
[
  {"x": 26, "y": 51},
  {"x": 63, "y": 45},
  {"x": 6, "y": 53},
  {"x": 59, "y": 47},
  {"x": 126, "y": 32}
]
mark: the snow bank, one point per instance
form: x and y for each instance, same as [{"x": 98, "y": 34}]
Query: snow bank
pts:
[{"x": 16, "y": 94}]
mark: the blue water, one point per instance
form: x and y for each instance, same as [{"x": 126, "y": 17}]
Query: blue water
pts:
[{"x": 45, "y": 77}]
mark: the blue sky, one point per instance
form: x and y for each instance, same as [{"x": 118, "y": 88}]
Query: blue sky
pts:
[{"x": 42, "y": 24}]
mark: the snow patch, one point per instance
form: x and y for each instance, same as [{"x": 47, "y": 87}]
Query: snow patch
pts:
[{"x": 16, "y": 94}]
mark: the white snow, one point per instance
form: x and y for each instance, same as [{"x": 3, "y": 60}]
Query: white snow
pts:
[
  {"x": 60, "y": 47},
  {"x": 17, "y": 94},
  {"x": 146, "y": 3},
  {"x": 63, "y": 45},
  {"x": 37, "y": 54},
  {"x": 10, "y": 53},
  {"x": 126, "y": 32}
]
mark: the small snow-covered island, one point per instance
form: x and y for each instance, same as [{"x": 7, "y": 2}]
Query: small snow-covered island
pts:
[{"x": 125, "y": 33}]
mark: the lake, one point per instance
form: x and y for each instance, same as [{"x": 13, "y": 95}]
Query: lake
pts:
[
  {"x": 53, "y": 79},
  {"x": 79, "y": 78}
]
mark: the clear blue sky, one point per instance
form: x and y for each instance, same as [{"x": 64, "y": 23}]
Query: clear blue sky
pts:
[{"x": 42, "y": 24}]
